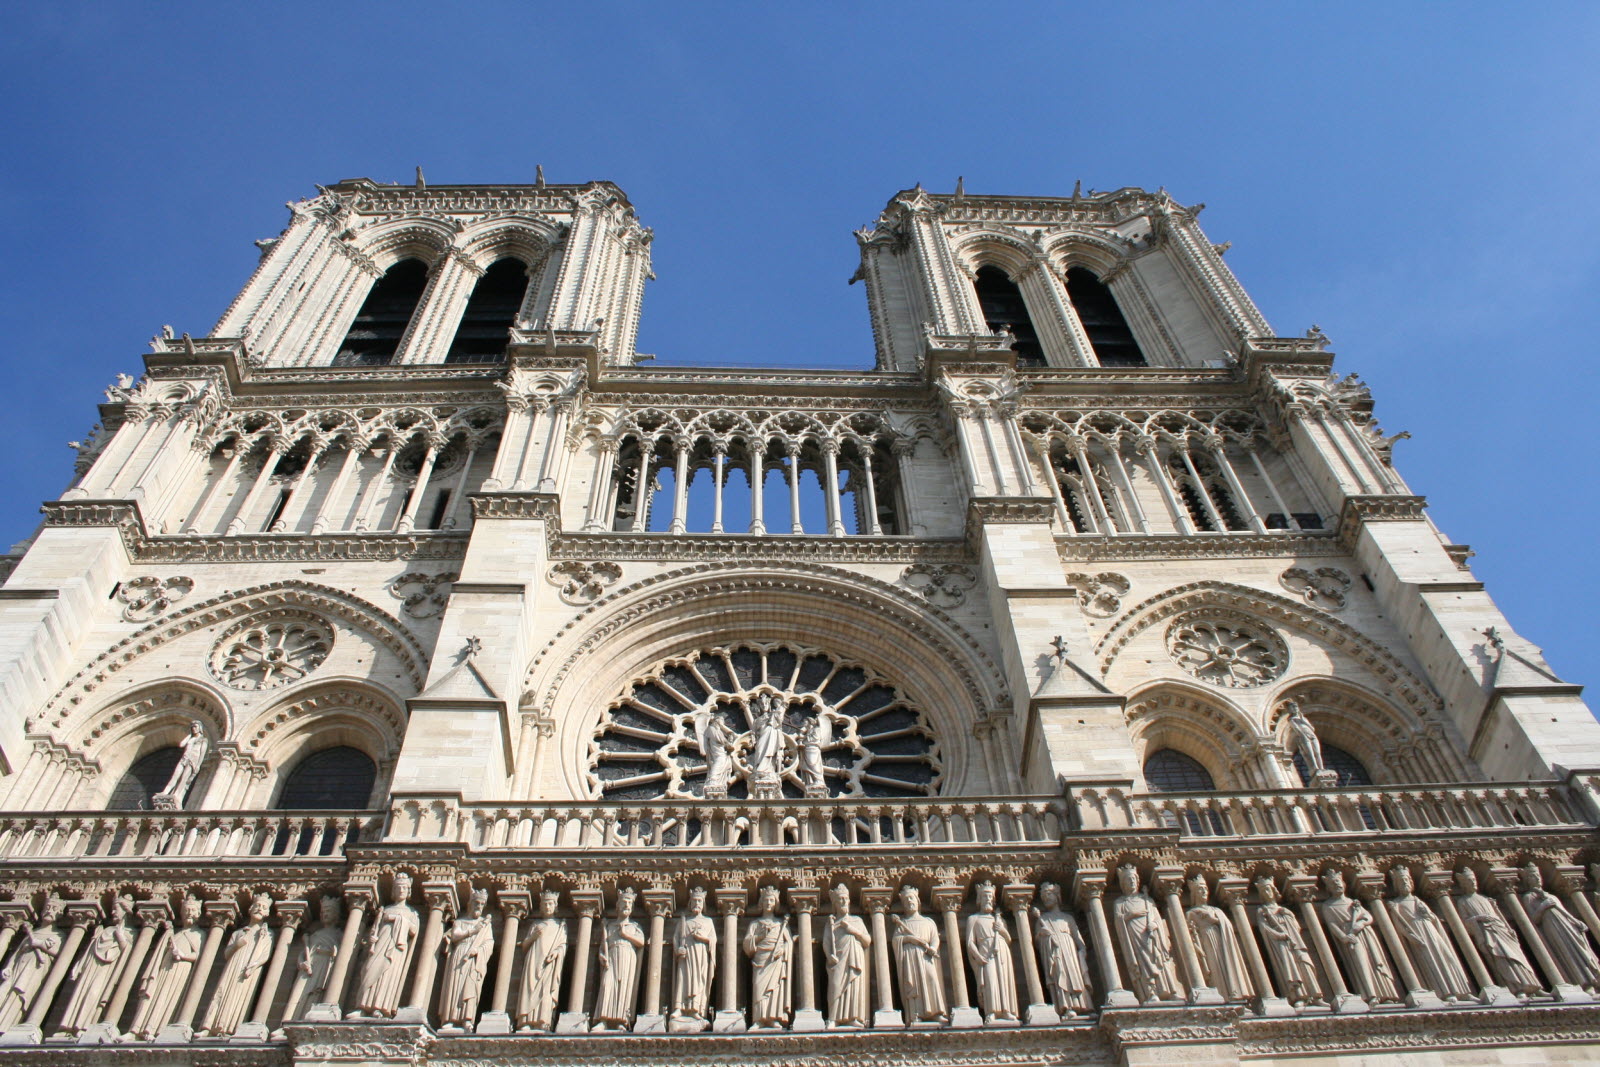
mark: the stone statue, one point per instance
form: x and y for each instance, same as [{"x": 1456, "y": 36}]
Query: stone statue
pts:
[
  {"x": 694, "y": 964},
  {"x": 1425, "y": 937},
  {"x": 1063, "y": 953},
  {"x": 1145, "y": 942},
  {"x": 541, "y": 971},
  {"x": 1351, "y": 929},
  {"x": 390, "y": 942},
  {"x": 1306, "y": 741},
  {"x": 1286, "y": 948},
  {"x": 1563, "y": 935},
  {"x": 317, "y": 952},
  {"x": 621, "y": 941},
  {"x": 1217, "y": 945},
  {"x": 95, "y": 973},
  {"x": 845, "y": 945},
  {"x": 767, "y": 725},
  {"x": 30, "y": 964},
  {"x": 246, "y": 953},
  {"x": 716, "y": 744},
  {"x": 770, "y": 947},
  {"x": 917, "y": 959},
  {"x": 193, "y": 749},
  {"x": 165, "y": 979},
  {"x": 988, "y": 943},
  {"x": 1496, "y": 941},
  {"x": 812, "y": 739},
  {"x": 467, "y": 945}
]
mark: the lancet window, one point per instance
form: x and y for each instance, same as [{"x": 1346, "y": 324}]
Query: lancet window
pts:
[
  {"x": 1108, "y": 332},
  {"x": 136, "y": 789},
  {"x": 490, "y": 313},
  {"x": 374, "y": 335},
  {"x": 338, "y": 778},
  {"x": 1004, "y": 309}
]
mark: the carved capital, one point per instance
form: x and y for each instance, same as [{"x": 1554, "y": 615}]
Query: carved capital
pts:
[
  {"x": 1167, "y": 881},
  {"x": 805, "y": 899},
  {"x": 588, "y": 903},
  {"x": 1232, "y": 890},
  {"x": 514, "y": 903},
  {"x": 441, "y": 897},
  {"x": 1367, "y": 885},
  {"x": 220, "y": 913},
  {"x": 876, "y": 898},
  {"x": 292, "y": 913},
  {"x": 361, "y": 896},
  {"x": 81, "y": 913},
  {"x": 1017, "y": 896},
  {"x": 659, "y": 901},
  {"x": 731, "y": 901},
  {"x": 14, "y": 914},
  {"x": 948, "y": 897},
  {"x": 1435, "y": 884},
  {"x": 1300, "y": 888},
  {"x": 153, "y": 912},
  {"x": 1088, "y": 887}
]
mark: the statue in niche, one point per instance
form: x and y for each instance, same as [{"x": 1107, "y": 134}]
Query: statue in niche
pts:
[
  {"x": 694, "y": 964},
  {"x": 468, "y": 944},
  {"x": 813, "y": 736},
  {"x": 1309, "y": 745},
  {"x": 766, "y": 721},
  {"x": 167, "y": 976},
  {"x": 845, "y": 946},
  {"x": 1063, "y": 953},
  {"x": 1145, "y": 942},
  {"x": 94, "y": 974},
  {"x": 988, "y": 942},
  {"x": 621, "y": 941},
  {"x": 1217, "y": 945},
  {"x": 770, "y": 947},
  {"x": 1351, "y": 929},
  {"x": 193, "y": 752},
  {"x": 1427, "y": 940},
  {"x": 317, "y": 952},
  {"x": 1563, "y": 935},
  {"x": 1496, "y": 941},
  {"x": 246, "y": 953},
  {"x": 29, "y": 965},
  {"x": 716, "y": 744},
  {"x": 1286, "y": 948},
  {"x": 921, "y": 967},
  {"x": 541, "y": 971},
  {"x": 390, "y": 942}
]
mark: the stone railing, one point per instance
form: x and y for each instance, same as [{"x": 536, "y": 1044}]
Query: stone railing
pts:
[
  {"x": 187, "y": 835},
  {"x": 726, "y": 824}
]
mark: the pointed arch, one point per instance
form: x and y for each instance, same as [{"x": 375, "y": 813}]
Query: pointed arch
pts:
[{"x": 1202, "y": 725}]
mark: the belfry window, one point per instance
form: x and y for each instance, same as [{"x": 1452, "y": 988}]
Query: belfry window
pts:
[
  {"x": 1113, "y": 341},
  {"x": 334, "y": 778},
  {"x": 490, "y": 314},
  {"x": 1004, "y": 308},
  {"x": 141, "y": 782},
  {"x": 375, "y": 335}
]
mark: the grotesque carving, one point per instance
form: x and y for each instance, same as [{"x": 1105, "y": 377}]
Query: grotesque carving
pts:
[
  {"x": 845, "y": 945},
  {"x": 469, "y": 942}
]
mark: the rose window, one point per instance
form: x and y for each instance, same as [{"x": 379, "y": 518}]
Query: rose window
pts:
[
  {"x": 1234, "y": 655},
  {"x": 266, "y": 654},
  {"x": 762, "y": 721}
]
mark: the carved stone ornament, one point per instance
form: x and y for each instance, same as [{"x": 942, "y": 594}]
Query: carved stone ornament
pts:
[
  {"x": 146, "y": 597},
  {"x": 758, "y": 721},
  {"x": 1226, "y": 652},
  {"x": 1323, "y": 587},
  {"x": 423, "y": 595},
  {"x": 943, "y": 584},
  {"x": 1100, "y": 594},
  {"x": 269, "y": 653},
  {"x": 583, "y": 583}
]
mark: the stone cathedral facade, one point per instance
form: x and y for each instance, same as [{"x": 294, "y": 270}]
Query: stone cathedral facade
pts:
[{"x": 416, "y": 673}]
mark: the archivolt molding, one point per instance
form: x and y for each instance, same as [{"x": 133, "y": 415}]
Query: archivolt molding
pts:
[
  {"x": 1392, "y": 743},
  {"x": 179, "y": 700},
  {"x": 1314, "y": 624},
  {"x": 1201, "y": 725},
  {"x": 322, "y": 600},
  {"x": 378, "y": 717},
  {"x": 526, "y": 237},
  {"x": 413, "y": 234},
  {"x": 1011, "y": 250}
]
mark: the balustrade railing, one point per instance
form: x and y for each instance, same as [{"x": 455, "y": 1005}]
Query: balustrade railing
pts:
[{"x": 188, "y": 835}]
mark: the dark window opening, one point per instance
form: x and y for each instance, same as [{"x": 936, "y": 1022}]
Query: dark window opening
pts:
[
  {"x": 439, "y": 506},
  {"x": 335, "y": 778},
  {"x": 1276, "y": 520},
  {"x": 375, "y": 335},
  {"x": 1170, "y": 771},
  {"x": 1308, "y": 520},
  {"x": 490, "y": 314},
  {"x": 141, "y": 782},
  {"x": 1004, "y": 308},
  {"x": 1113, "y": 342},
  {"x": 1350, "y": 770},
  {"x": 277, "y": 511}
]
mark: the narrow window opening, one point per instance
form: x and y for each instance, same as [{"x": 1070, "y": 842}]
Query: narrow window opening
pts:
[
  {"x": 277, "y": 510},
  {"x": 1308, "y": 520},
  {"x": 436, "y": 521},
  {"x": 1113, "y": 341},
  {"x": 1004, "y": 308},
  {"x": 490, "y": 314},
  {"x": 375, "y": 335},
  {"x": 115, "y": 589}
]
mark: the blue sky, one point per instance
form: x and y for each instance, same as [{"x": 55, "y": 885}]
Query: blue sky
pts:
[{"x": 1416, "y": 178}]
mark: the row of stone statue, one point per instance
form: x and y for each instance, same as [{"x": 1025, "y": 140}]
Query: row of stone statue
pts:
[{"x": 1329, "y": 952}]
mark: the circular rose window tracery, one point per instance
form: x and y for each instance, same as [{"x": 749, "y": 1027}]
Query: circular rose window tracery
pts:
[
  {"x": 762, "y": 721},
  {"x": 267, "y": 653},
  {"x": 1226, "y": 652}
]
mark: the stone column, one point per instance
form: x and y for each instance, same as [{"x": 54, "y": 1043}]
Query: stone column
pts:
[
  {"x": 353, "y": 449},
  {"x": 514, "y": 905},
  {"x": 458, "y": 494},
  {"x": 218, "y": 916},
  {"x": 963, "y": 1016},
  {"x": 78, "y": 915},
  {"x": 234, "y": 456},
  {"x": 659, "y": 903},
  {"x": 830, "y": 467},
  {"x": 1302, "y": 890},
  {"x": 151, "y": 914},
  {"x": 588, "y": 904},
  {"x": 795, "y": 525},
  {"x": 720, "y": 455},
  {"x": 317, "y": 447},
  {"x": 274, "y": 451},
  {"x": 1089, "y": 889},
  {"x": 597, "y": 518},
  {"x": 905, "y": 451},
  {"x": 408, "y": 518},
  {"x": 13, "y": 916},
  {"x": 441, "y": 898},
  {"x": 804, "y": 901},
  {"x": 1231, "y": 892},
  {"x": 1369, "y": 887},
  {"x": 1568, "y": 883},
  {"x": 1168, "y": 881},
  {"x": 1039, "y": 1012},
  {"x": 876, "y": 899},
  {"x": 1436, "y": 886},
  {"x": 758, "y": 477},
  {"x": 357, "y": 900},
  {"x": 730, "y": 1019},
  {"x": 291, "y": 913},
  {"x": 367, "y": 503},
  {"x": 680, "y": 486},
  {"x": 1504, "y": 882}
]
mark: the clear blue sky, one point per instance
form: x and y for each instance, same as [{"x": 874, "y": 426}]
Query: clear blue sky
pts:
[{"x": 1419, "y": 179}]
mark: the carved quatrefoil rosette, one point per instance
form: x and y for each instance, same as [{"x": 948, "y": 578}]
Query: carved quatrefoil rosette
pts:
[
  {"x": 583, "y": 583},
  {"x": 148, "y": 597},
  {"x": 423, "y": 595},
  {"x": 1100, "y": 594},
  {"x": 942, "y": 584},
  {"x": 1226, "y": 652},
  {"x": 267, "y": 653},
  {"x": 1323, "y": 587}
]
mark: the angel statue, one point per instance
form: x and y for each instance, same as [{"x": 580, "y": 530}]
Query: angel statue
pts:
[
  {"x": 815, "y": 735},
  {"x": 716, "y": 744}
]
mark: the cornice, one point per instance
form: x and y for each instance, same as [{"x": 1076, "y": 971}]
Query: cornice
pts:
[
  {"x": 1089, "y": 548},
  {"x": 757, "y": 549},
  {"x": 1360, "y": 510}
]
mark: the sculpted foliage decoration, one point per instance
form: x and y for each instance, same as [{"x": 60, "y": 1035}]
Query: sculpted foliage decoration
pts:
[
  {"x": 583, "y": 583},
  {"x": 1323, "y": 587},
  {"x": 945, "y": 584},
  {"x": 423, "y": 595},
  {"x": 147, "y": 596}
]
